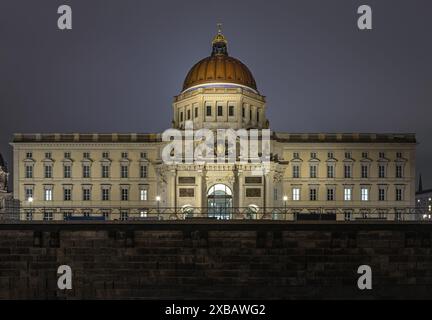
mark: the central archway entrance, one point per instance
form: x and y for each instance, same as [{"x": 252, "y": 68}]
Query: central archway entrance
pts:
[{"x": 219, "y": 201}]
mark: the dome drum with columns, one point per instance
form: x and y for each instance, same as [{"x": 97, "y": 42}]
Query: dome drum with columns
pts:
[{"x": 220, "y": 92}]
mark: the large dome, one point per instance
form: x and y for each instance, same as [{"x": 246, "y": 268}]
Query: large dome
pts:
[{"x": 219, "y": 68}]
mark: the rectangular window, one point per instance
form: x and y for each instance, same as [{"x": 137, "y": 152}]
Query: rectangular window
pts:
[
  {"x": 381, "y": 171},
  {"x": 143, "y": 194},
  {"x": 48, "y": 171},
  {"x": 124, "y": 215},
  {"x": 313, "y": 155},
  {"x": 29, "y": 155},
  {"x": 124, "y": 171},
  {"x": 143, "y": 171},
  {"x": 86, "y": 171},
  {"x": 231, "y": 111},
  {"x": 381, "y": 155},
  {"x": 143, "y": 155},
  {"x": 399, "y": 194},
  {"x": 219, "y": 111},
  {"x": 296, "y": 155},
  {"x": 243, "y": 112},
  {"x": 196, "y": 112},
  {"x": 29, "y": 171},
  {"x": 105, "y": 194},
  {"x": 181, "y": 116},
  {"x": 364, "y": 194},
  {"x": 188, "y": 114},
  {"x": 313, "y": 194},
  {"x": 124, "y": 155},
  {"x": 67, "y": 194},
  {"x": 398, "y": 171},
  {"x": 86, "y": 155},
  {"x": 86, "y": 194},
  {"x": 67, "y": 155},
  {"x": 296, "y": 194},
  {"x": 48, "y": 194},
  {"x": 364, "y": 171},
  {"x": 347, "y": 194},
  {"x": 381, "y": 194},
  {"x": 67, "y": 170},
  {"x": 364, "y": 155},
  {"x": 28, "y": 193},
  {"x": 348, "y": 155},
  {"x": 257, "y": 116},
  {"x": 296, "y": 171},
  {"x": 347, "y": 171},
  {"x": 347, "y": 215},
  {"x": 105, "y": 171},
  {"x": 47, "y": 155},
  {"x": 29, "y": 215},
  {"x": 209, "y": 111},
  {"x": 399, "y": 155},
  {"x": 124, "y": 194},
  {"x": 313, "y": 171},
  {"x": 250, "y": 114},
  {"x": 330, "y": 194},
  {"x": 48, "y": 216},
  {"x": 330, "y": 155},
  {"x": 330, "y": 171}
]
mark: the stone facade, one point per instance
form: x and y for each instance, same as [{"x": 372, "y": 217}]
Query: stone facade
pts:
[{"x": 234, "y": 260}]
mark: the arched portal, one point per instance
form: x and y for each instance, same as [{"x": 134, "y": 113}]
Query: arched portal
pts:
[{"x": 219, "y": 201}]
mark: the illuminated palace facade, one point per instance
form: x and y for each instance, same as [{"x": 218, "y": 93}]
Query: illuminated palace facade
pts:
[{"x": 340, "y": 176}]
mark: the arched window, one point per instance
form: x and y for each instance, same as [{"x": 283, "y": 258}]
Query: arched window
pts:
[{"x": 219, "y": 201}]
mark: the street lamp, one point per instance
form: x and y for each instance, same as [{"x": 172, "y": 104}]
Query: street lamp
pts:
[
  {"x": 158, "y": 199},
  {"x": 285, "y": 199}
]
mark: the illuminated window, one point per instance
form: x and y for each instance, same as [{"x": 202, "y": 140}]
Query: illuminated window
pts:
[
  {"x": 48, "y": 194},
  {"x": 296, "y": 194},
  {"x": 143, "y": 194},
  {"x": 347, "y": 194},
  {"x": 364, "y": 194}
]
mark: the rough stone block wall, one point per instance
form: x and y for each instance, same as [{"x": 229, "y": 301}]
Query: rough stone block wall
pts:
[{"x": 227, "y": 260}]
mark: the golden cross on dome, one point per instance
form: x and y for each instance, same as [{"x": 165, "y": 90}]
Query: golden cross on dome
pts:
[{"x": 219, "y": 26}]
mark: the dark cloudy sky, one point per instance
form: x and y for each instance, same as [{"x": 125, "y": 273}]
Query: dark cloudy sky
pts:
[{"x": 124, "y": 60}]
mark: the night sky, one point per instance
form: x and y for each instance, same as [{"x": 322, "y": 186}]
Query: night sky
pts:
[{"x": 124, "y": 60}]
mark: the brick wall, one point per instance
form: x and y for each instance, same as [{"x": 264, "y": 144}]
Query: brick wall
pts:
[{"x": 235, "y": 259}]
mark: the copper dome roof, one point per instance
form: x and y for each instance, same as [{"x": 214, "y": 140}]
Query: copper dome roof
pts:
[{"x": 219, "y": 68}]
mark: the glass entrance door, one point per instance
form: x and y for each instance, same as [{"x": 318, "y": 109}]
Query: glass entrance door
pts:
[{"x": 219, "y": 202}]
